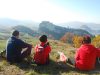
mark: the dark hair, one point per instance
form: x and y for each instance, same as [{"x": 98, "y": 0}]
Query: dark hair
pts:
[
  {"x": 86, "y": 40},
  {"x": 43, "y": 38},
  {"x": 15, "y": 33}
]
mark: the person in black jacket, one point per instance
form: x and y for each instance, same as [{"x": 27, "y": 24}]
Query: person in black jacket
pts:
[{"x": 14, "y": 48}]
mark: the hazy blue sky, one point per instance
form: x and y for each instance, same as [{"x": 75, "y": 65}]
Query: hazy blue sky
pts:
[{"x": 56, "y": 11}]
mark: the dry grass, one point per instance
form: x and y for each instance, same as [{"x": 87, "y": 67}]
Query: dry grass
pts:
[{"x": 25, "y": 68}]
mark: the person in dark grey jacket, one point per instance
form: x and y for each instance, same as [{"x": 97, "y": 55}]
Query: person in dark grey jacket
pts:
[{"x": 15, "y": 47}]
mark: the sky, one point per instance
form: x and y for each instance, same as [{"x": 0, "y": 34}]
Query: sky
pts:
[{"x": 56, "y": 11}]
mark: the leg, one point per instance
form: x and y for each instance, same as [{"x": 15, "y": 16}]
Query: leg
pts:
[
  {"x": 71, "y": 61},
  {"x": 14, "y": 59}
]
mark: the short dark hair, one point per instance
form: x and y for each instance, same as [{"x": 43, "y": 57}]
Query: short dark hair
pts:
[
  {"x": 15, "y": 33},
  {"x": 86, "y": 40},
  {"x": 43, "y": 38}
]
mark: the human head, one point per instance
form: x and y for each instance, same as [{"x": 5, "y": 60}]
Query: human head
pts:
[
  {"x": 15, "y": 33},
  {"x": 86, "y": 40},
  {"x": 43, "y": 38}
]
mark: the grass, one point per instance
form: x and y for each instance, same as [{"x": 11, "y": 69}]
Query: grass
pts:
[
  {"x": 53, "y": 68},
  {"x": 2, "y": 45}
]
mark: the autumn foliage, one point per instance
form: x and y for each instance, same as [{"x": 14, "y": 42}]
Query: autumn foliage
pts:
[
  {"x": 77, "y": 41},
  {"x": 67, "y": 38},
  {"x": 96, "y": 41}
]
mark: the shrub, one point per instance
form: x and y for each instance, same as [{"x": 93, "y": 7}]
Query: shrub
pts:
[{"x": 96, "y": 41}]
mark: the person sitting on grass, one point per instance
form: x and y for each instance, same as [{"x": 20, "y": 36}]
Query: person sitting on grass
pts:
[
  {"x": 14, "y": 48},
  {"x": 42, "y": 51},
  {"x": 85, "y": 57}
]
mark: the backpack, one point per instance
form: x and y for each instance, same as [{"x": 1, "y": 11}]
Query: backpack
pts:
[
  {"x": 41, "y": 48},
  {"x": 62, "y": 57},
  {"x": 3, "y": 54},
  {"x": 39, "y": 55}
]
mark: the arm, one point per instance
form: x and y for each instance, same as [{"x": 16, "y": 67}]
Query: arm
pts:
[
  {"x": 77, "y": 55},
  {"x": 22, "y": 44},
  {"x": 49, "y": 49}
]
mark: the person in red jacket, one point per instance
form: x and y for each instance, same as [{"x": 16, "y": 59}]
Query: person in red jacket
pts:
[
  {"x": 42, "y": 51},
  {"x": 85, "y": 57}
]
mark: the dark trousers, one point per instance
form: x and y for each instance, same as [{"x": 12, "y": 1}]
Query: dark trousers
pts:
[
  {"x": 20, "y": 57},
  {"x": 26, "y": 53},
  {"x": 72, "y": 61}
]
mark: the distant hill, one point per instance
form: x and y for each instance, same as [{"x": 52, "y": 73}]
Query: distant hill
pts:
[
  {"x": 76, "y": 24},
  {"x": 25, "y": 29},
  {"x": 94, "y": 32},
  {"x": 57, "y": 31},
  {"x": 11, "y": 22},
  {"x": 85, "y": 27},
  {"x": 4, "y": 29},
  {"x": 5, "y": 33},
  {"x": 7, "y": 22}
]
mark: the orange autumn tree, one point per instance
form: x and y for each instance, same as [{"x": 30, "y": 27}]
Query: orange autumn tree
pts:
[{"x": 67, "y": 38}]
